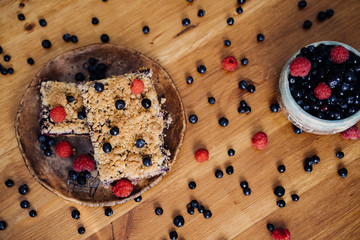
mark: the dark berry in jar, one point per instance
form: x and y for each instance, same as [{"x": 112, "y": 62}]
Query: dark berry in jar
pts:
[
  {"x": 105, "y": 38},
  {"x": 281, "y": 168},
  {"x": 219, "y": 173},
  {"x": 146, "y": 29},
  {"x": 247, "y": 191},
  {"x": 239, "y": 10},
  {"x": 244, "y": 184},
  {"x": 9, "y": 183},
  {"x": 140, "y": 143},
  {"x": 281, "y": 203},
  {"x": 179, "y": 221},
  {"x": 230, "y": 21},
  {"x": 42, "y": 22},
  {"x": 33, "y": 213},
  {"x": 279, "y": 191},
  {"x": 108, "y": 211},
  {"x": 99, "y": 87},
  {"x": 46, "y": 43},
  {"x": 81, "y": 230},
  {"x": 23, "y": 189},
  {"x": 186, "y": 22},
  {"x": 75, "y": 214},
  {"x": 339, "y": 154},
  {"x": 173, "y": 235},
  {"x": 95, "y": 21},
  {"x": 201, "y": 13},
  {"x": 192, "y": 185},
  {"x": 159, "y": 211},
  {"x": 147, "y": 161},
  {"x": 295, "y": 197},
  {"x": 244, "y": 61},
  {"x": 227, "y": 42},
  {"x": 24, "y": 204},
  {"x": 193, "y": 118},
  {"x": 107, "y": 147},
  {"x": 270, "y": 227},
  {"x": 243, "y": 85},
  {"x": 260, "y": 37},
  {"x": 146, "y": 103},
  {"x": 251, "y": 88},
  {"x": 207, "y": 213},
  {"x": 274, "y": 108},
  {"x": 211, "y": 100},
  {"x": 190, "y": 210},
  {"x": 230, "y": 170},
  {"x": 201, "y": 69},
  {"x": 138, "y": 199},
  {"x": 302, "y": 4},
  {"x": 343, "y": 172},
  {"x": 120, "y": 104},
  {"x": 223, "y": 122}
]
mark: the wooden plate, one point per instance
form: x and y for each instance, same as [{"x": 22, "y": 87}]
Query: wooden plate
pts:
[{"x": 51, "y": 172}]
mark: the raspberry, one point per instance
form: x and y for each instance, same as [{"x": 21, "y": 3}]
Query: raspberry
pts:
[
  {"x": 137, "y": 86},
  {"x": 58, "y": 114},
  {"x": 229, "y": 63},
  {"x": 352, "y": 133},
  {"x": 63, "y": 149},
  {"x": 339, "y": 54},
  {"x": 83, "y": 162},
  {"x": 201, "y": 155},
  {"x": 281, "y": 234},
  {"x": 123, "y": 188},
  {"x": 259, "y": 140},
  {"x": 300, "y": 67},
  {"x": 322, "y": 91}
]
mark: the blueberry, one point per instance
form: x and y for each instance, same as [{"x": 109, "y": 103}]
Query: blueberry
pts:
[
  {"x": 219, "y": 173},
  {"x": 230, "y": 21},
  {"x": 32, "y": 213},
  {"x": 201, "y": 69},
  {"x": 24, "y": 204},
  {"x": 81, "y": 230},
  {"x": 192, "y": 185},
  {"x": 270, "y": 227},
  {"x": 241, "y": 1},
  {"x": 227, "y": 42},
  {"x": 308, "y": 168},
  {"x": 44, "y": 146},
  {"x": 329, "y": 13},
  {"x": 243, "y": 103},
  {"x": 345, "y": 87},
  {"x": 239, "y": 10},
  {"x": 207, "y": 214},
  {"x": 297, "y": 130},
  {"x": 2, "y": 225},
  {"x": 244, "y": 61},
  {"x": 201, "y": 209},
  {"x": 302, "y": 4},
  {"x": 1, "y": 50},
  {"x": 42, "y": 138},
  {"x": 74, "y": 38},
  {"x": 107, "y": 147},
  {"x": 173, "y": 235},
  {"x": 104, "y": 38},
  {"x": 223, "y": 122},
  {"x": 194, "y": 204},
  {"x": 48, "y": 152},
  {"x": 247, "y": 109},
  {"x": 42, "y": 22},
  {"x": 230, "y": 170},
  {"x": 243, "y": 85},
  {"x": 281, "y": 168},
  {"x": 138, "y": 199},
  {"x": 101, "y": 68},
  {"x": 91, "y": 68},
  {"x": 190, "y": 210},
  {"x": 140, "y": 143},
  {"x": 146, "y": 29},
  {"x": 231, "y": 152},
  {"x": 251, "y": 88},
  {"x": 315, "y": 159},
  {"x": 79, "y": 77},
  {"x": 7, "y": 58},
  {"x": 46, "y": 43},
  {"x": 186, "y": 22},
  {"x": 193, "y": 118},
  {"x": 108, "y": 211},
  {"x": 21, "y": 17},
  {"x": 146, "y": 162},
  {"x": 189, "y": 80},
  {"x": 81, "y": 115},
  {"x": 146, "y": 103},
  {"x": 321, "y": 16},
  {"x": 86, "y": 174},
  {"x": 179, "y": 221},
  {"x": 70, "y": 99},
  {"x": 309, "y": 161},
  {"x": 92, "y": 61},
  {"x": 23, "y": 189},
  {"x": 339, "y": 154},
  {"x": 349, "y": 76},
  {"x": 244, "y": 184},
  {"x": 99, "y": 87},
  {"x": 72, "y": 175},
  {"x": 201, "y": 13},
  {"x": 241, "y": 109},
  {"x": 81, "y": 180},
  {"x": 247, "y": 191},
  {"x": 95, "y": 21},
  {"x": 159, "y": 211},
  {"x": 343, "y": 172},
  {"x": 9, "y": 183},
  {"x": 211, "y": 100},
  {"x": 274, "y": 108},
  {"x": 51, "y": 142},
  {"x": 114, "y": 131},
  {"x": 30, "y": 61},
  {"x": 279, "y": 191},
  {"x": 260, "y": 37},
  {"x": 120, "y": 104},
  {"x": 295, "y": 197},
  {"x": 281, "y": 203},
  {"x": 66, "y": 37}
]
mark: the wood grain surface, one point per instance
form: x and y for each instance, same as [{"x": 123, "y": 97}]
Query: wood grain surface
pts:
[{"x": 329, "y": 206}]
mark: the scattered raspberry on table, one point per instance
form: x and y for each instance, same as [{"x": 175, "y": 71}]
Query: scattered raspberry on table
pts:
[
  {"x": 230, "y": 63},
  {"x": 201, "y": 155},
  {"x": 259, "y": 140},
  {"x": 352, "y": 133}
]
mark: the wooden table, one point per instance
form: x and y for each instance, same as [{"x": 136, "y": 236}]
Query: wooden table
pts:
[{"x": 329, "y": 206}]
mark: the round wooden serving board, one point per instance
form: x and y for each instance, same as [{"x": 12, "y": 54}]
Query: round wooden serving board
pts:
[{"x": 51, "y": 172}]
